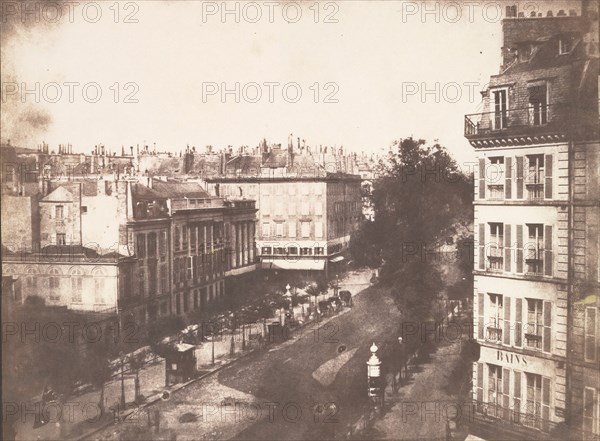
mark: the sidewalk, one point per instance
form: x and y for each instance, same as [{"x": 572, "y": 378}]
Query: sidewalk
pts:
[
  {"x": 80, "y": 414},
  {"x": 420, "y": 409}
]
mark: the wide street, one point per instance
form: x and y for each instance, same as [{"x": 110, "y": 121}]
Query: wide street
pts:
[{"x": 311, "y": 387}]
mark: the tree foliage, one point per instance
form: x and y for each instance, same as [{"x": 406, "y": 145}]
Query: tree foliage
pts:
[{"x": 419, "y": 194}]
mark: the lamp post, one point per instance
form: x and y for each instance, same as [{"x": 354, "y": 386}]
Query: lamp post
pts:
[
  {"x": 122, "y": 356},
  {"x": 375, "y": 391}
]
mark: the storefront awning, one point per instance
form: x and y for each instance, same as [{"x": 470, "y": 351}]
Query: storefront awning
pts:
[{"x": 300, "y": 264}]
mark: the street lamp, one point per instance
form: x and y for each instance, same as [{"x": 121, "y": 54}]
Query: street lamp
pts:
[{"x": 122, "y": 356}]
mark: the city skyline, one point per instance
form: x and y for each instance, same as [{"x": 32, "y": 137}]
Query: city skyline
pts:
[{"x": 171, "y": 94}]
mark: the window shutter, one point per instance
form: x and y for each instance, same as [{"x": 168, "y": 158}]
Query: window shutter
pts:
[
  {"x": 480, "y": 324},
  {"x": 548, "y": 172},
  {"x": 480, "y": 382},
  {"x": 519, "y": 266},
  {"x": 482, "y": 246},
  {"x": 507, "y": 320},
  {"x": 482, "y": 178},
  {"x": 545, "y": 399},
  {"x": 507, "y": 249},
  {"x": 547, "y": 326},
  {"x": 505, "y": 391},
  {"x": 548, "y": 250},
  {"x": 508, "y": 178},
  {"x": 518, "y": 321},
  {"x": 517, "y": 393},
  {"x": 519, "y": 165}
]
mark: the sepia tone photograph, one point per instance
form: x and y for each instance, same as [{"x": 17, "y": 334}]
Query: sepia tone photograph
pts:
[{"x": 303, "y": 220}]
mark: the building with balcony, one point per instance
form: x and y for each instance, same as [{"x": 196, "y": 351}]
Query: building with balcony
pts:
[
  {"x": 305, "y": 213},
  {"x": 144, "y": 250},
  {"x": 537, "y": 212}
]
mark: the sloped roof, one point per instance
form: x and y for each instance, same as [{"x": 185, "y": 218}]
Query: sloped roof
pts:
[
  {"x": 173, "y": 189},
  {"x": 61, "y": 194},
  {"x": 140, "y": 191}
]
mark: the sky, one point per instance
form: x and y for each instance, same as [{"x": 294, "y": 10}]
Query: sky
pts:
[{"x": 353, "y": 73}]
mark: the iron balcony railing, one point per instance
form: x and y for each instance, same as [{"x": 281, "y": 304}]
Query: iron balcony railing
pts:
[
  {"x": 524, "y": 422},
  {"x": 537, "y": 116}
]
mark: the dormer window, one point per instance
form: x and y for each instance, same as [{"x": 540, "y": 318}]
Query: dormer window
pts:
[
  {"x": 565, "y": 44},
  {"x": 524, "y": 51}
]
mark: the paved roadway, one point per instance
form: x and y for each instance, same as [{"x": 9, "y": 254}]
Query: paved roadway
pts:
[{"x": 287, "y": 391}]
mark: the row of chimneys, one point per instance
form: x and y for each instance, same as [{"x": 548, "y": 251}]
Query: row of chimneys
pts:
[{"x": 511, "y": 12}]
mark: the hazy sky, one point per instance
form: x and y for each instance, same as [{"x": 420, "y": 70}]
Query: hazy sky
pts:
[{"x": 373, "y": 61}]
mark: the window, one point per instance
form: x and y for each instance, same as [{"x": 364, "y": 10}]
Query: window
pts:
[
  {"x": 565, "y": 44},
  {"x": 190, "y": 268},
  {"x": 535, "y": 177},
  {"x": 61, "y": 239},
  {"x": 319, "y": 251},
  {"x": 152, "y": 245},
  {"x": 292, "y": 229},
  {"x": 76, "y": 285},
  {"x": 141, "y": 246},
  {"x": 319, "y": 208},
  {"x": 266, "y": 229},
  {"x": 495, "y": 394},
  {"x": 591, "y": 334},
  {"x": 305, "y": 208},
  {"x": 538, "y": 401},
  {"x": 163, "y": 280},
  {"x": 141, "y": 283},
  {"x": 306, "y": 251},
  {"x": 176, "y": 239},
  {"x": 162, "y": 243},
  {"x": 83, "y": 209},
  {"x": 293, "y": 251},
  {"x": 54, "y": 284},
  {"x": 305, "y": 227},
  {"x": 184, "y": 230},
  {"x": 279, "y": 229},
  {"x": 59, "y": 212},
  {"x": 496, "y": 249},
  {"x": 525, "y": 51},
  {"x": 500, "y": 109},
  {"x": 318, "y": 230},
  {"x": 495, "y": 315},
  {"x": 534, "y": 257},
  {"x": 265, "y": 251},
  {"x": 538, "y": 105},
  {"x": 279, "y": 251},
  {"x": 538, "y": 327},
  {"x": 591, "y": 411},
  {"x": 99, "y": 290},
  {"x": 496, "y": 178},
  {"x": 193, "y": 237}
]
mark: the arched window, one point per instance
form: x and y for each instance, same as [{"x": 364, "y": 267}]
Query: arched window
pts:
[
  {"x": 76, "y": 285},
  {"x": 54, "y": 280},
  {"x": 31, "y": 279},
  {"x": 99, "y": 286}
]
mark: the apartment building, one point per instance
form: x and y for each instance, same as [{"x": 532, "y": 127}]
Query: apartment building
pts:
[
  {"x": 144, "y": 250},
  {"x": 537, "y": 211},
  {"x": 305, "y": 213}
]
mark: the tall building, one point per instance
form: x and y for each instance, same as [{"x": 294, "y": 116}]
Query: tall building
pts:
[
  {"x": 306, "y": 214},
  {"x": 142, "y": 250},
  {"x": 537, "y": 213}
]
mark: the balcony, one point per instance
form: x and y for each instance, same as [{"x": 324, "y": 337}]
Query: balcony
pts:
[
  {"x": 494, "y": 422},
  {"x": 528, "y": 125},
  {"x": 494, "y": 334}
]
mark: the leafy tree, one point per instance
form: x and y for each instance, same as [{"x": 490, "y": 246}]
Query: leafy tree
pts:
[{"x": 419, "y": 194}]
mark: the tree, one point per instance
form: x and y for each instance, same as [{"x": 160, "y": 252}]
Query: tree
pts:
[
  {"x": 419, "y": 195},
  {"x": 98, "y": 370}
]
